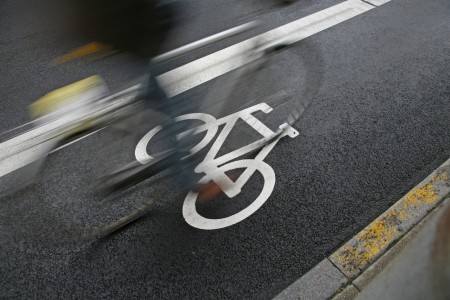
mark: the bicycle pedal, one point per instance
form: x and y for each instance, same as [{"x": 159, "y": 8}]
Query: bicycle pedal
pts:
[{"x": 111, "y": 228}]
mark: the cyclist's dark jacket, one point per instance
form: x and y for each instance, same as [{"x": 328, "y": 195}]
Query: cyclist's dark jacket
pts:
[{"x": 137, "y": 26}]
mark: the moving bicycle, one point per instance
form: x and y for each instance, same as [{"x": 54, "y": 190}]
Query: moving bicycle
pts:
[{"x": 232, "y": 102}]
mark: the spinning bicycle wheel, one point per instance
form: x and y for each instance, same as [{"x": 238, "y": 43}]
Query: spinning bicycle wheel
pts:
[{"x": 286, "y": 79}]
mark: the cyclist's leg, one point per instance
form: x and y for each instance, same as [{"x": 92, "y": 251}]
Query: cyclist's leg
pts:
[
  {"x": 157, "y": 99},
  {"x": 183, "y": 168}
]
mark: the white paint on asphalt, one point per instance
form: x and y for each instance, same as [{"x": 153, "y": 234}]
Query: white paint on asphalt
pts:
[
  {"x": 211, "y": 66},
  {"x": 377, "y": 2},
  {"x": 29, "y": 146},
  {"x": 33, "y": 144},
  {"x": 17, "y": 152},
  {"x": 76, "y": 140},
  {"x": 210, "y": 165}
]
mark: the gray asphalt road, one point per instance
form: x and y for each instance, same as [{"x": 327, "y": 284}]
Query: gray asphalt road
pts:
[{"x": 377, "y": 127}]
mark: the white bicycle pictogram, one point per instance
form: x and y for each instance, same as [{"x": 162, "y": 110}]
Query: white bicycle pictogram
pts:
[{"x": 214, "y": 167}]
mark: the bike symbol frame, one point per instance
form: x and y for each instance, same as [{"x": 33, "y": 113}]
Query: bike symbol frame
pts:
[{"x": 214, "y": 167}]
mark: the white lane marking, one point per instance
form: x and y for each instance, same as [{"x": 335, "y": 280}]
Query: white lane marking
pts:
[
  {"x": 28, "y": 147},
  {"x": 25, "y": 157},
  {"x": 32, "y": 145},
  {"x": 199, "y": 71},
  {"x": 29, "y": 152},
  {"x": 76, "y": 140},
  {"x": 377, "y": 2},
  {"x": 211, "y": 66}
]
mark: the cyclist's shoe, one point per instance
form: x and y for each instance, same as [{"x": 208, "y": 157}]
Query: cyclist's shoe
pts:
[{"x": 210, "y": 191}]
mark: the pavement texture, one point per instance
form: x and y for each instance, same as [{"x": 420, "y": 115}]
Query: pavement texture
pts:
[
  {"x": 377, "y": 127},
  {"x": 418, "y": 221},
  {"x": 324, "y": 280}
]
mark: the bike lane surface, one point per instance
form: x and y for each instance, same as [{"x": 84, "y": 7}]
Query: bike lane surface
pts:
[{"x": 357, "y": 145}]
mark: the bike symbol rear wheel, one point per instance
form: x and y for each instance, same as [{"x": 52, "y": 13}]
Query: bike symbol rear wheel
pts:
[{"x": 196, "y": 220}]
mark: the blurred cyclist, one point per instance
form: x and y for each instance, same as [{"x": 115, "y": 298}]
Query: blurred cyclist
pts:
[{"x": 140, "y": 27}]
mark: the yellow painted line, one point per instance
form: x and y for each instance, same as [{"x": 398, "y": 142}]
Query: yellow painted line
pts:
[
  {"x": 374, "y": 240},
  {"x": 82, "y": 51}
]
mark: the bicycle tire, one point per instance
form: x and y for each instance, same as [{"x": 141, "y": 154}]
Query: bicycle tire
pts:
[
  {"x": 67, "y": 206},
  {"x": 225, "y": 97},
  {"x": 228, "y": 87},
  {"x": 299, "y": 67}
]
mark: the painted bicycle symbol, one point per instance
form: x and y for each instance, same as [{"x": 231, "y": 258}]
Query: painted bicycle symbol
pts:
[{"x": 214, "y": 167}]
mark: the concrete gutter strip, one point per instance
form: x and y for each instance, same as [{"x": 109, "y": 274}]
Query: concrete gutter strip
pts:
[
  {"x": 339, "y": 276},
  {"x": 381, "y": 271},
  {"x": 418, "y": 270},
  {"x": 320, "y": 282},
  {"x": 364, "y": 248},
  {"x": 350, "y": 292}
]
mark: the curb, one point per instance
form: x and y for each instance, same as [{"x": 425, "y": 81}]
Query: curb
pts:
[
  {"x": 340, "y": 275},
  {"x": 361, "y": 282}
]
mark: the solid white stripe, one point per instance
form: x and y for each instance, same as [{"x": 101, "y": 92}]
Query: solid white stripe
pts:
[
  {"x": 195, "y": 73},
  {"x": 211, "y": 66},
  {"x": 377, "y": 2}
]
